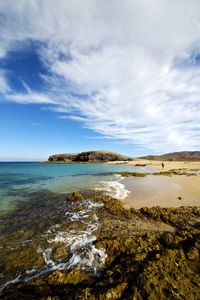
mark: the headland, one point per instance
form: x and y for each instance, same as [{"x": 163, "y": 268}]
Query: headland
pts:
[{"x": 88, "y": 157}]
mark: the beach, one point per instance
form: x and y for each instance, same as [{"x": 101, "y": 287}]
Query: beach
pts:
[
  {"x": 134, "y": 236},
  {"x": 165, "y": 191}
]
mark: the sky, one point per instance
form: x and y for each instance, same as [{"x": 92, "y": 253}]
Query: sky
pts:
[{"x": 113, "y": 75}]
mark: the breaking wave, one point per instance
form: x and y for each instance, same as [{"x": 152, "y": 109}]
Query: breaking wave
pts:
[
  {"x": 113, "y": 188},
  {"x": 69, "y": 244},
  {"x": 79, "y": 239}
]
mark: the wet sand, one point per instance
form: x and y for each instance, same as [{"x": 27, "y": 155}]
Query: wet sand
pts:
[{"x": 164, "y": 191}]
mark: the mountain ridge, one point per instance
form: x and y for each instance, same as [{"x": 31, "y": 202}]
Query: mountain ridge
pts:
[{"x": 180, "y": 156}]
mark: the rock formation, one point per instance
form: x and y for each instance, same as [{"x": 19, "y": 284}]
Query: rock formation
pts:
[
  {"x": 152, "y": 253},
  {"x": 89, "y": 156}
]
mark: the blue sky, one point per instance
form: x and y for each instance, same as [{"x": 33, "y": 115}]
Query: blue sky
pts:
[{"x": 89, "y": 75}]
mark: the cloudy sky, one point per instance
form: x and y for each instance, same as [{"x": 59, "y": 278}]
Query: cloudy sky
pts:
[{"x": 116, "y": 75}]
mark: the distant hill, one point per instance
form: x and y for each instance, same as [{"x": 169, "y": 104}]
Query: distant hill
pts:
[
  {"x": 176, "y": 156},
  {"x": 89, "y": 156}
]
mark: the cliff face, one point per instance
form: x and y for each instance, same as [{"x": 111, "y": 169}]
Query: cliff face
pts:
[
  {"x": 68, "y": 157},
  {"x": 89, "y": 156}
]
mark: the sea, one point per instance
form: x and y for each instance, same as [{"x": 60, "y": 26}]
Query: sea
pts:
[{"x": 40, "y": 231}]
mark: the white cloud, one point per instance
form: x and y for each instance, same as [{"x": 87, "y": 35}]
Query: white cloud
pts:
[
  {"x": 130, "y": 63},
  {"x": 30, "y": 98},
  {"x": 4, "y": 87}
]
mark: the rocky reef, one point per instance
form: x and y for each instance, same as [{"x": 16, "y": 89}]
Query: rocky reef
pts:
[
  {"x": 178, "y": 172},
  {"x": 152, "y": 253},
  {"x": 89, "y": 156}
]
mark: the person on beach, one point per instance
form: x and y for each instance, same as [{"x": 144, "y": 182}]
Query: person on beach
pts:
[{"x": 163, "y": 165}]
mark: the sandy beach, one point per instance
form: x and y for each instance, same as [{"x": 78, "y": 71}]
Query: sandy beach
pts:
[
  {"x": 164, "y": 191},
  {"x": 169, "y": 165}
]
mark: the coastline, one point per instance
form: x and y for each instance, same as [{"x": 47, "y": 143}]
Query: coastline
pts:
[
  {"x": 93, "y": 247},
  {"x": 165, "y": 191},
  {"x": 142, "y": 254}
]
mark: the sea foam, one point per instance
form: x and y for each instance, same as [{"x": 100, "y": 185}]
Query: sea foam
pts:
[
  {"x": 82, "y": 252},
  {"x": 113, "y": 188}
]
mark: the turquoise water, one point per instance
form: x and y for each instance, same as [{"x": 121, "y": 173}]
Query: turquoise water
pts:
[
  {"x": 37, "y": 219},
  {"x": 19, "y": 179}
]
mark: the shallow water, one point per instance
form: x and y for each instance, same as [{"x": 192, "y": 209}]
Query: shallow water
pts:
[
  {"x": 19, "y": 179},
  {"x": 40, "y": 230}
]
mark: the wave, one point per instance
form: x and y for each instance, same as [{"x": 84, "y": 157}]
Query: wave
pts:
[
  {"x": 78, "y": 243},
  {"x": 74, "y": 235},
  {"x": 114, "y": 188}
]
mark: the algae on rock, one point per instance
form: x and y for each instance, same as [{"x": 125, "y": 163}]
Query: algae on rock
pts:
[{"x": 152, "y": 253}]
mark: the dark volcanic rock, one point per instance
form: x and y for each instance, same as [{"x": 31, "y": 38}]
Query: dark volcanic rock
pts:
[
  {"x": 143, "y": 260},
  {"x": 63, "y": 157},
  {"x": 89, "y": 156},
  {"x": 139, "y": 264}
]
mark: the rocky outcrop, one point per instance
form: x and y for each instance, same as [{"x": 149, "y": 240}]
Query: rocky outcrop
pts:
[
  {"x": 68, "y": 157},
  {"x": 89, "y": 156},
  {"x": 152, "y": 253}
]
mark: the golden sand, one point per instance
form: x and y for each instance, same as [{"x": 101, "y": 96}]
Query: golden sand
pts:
[{"x": 164, "y": 191}]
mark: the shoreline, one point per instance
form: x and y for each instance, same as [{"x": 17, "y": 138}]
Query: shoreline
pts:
[
  {"x": 163, "y": 191},
  {"x": 169, "y": 190},
  {"x": 179, "y": 185},
  {"x": 146, "y": 253},
  {"x": 96, "y": 248}
]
